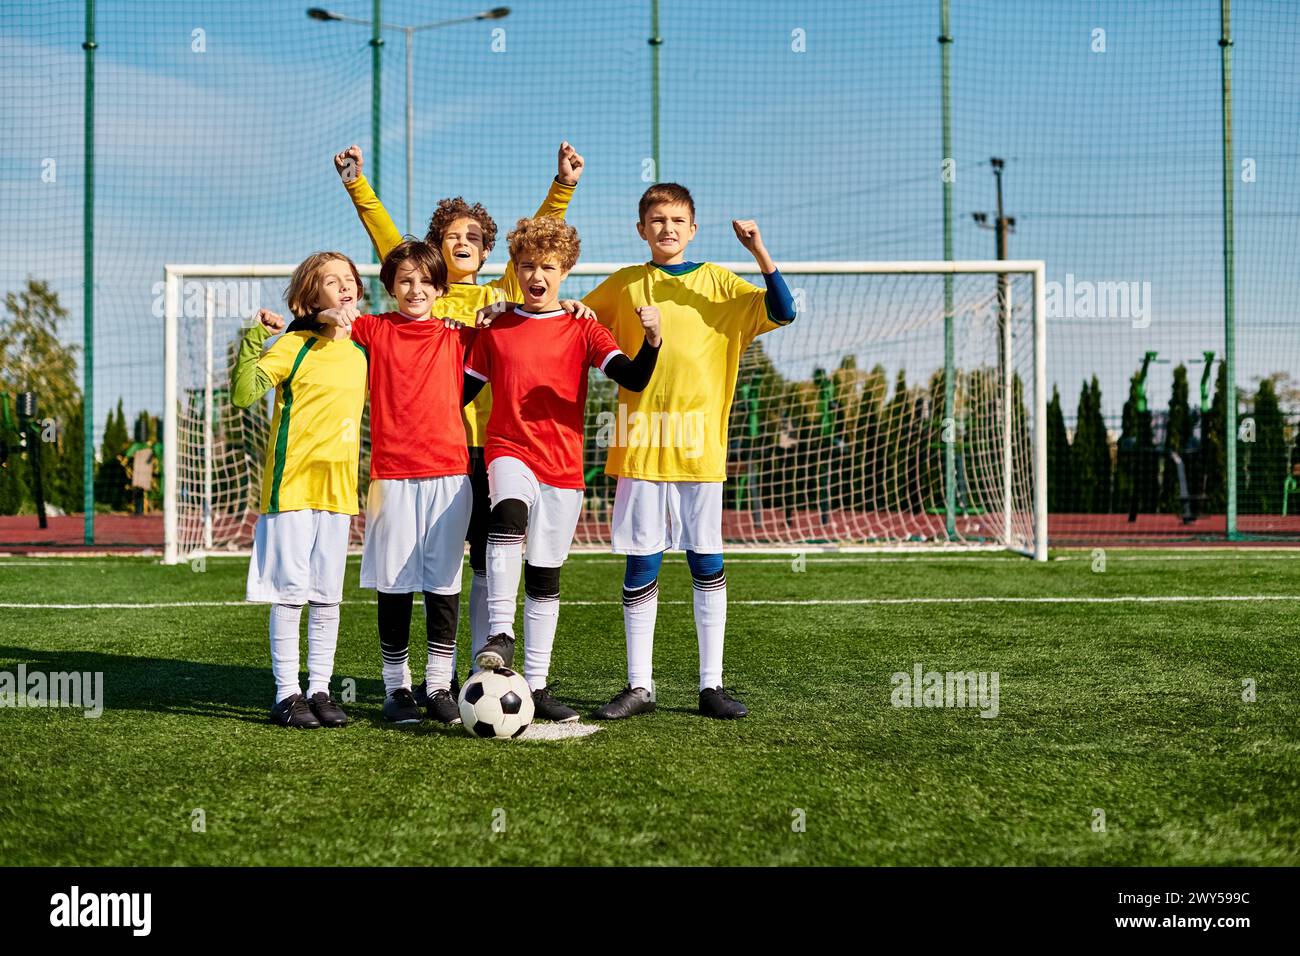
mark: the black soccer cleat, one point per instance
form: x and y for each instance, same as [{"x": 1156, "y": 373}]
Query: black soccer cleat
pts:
[
  {"x": 420, "y": 693},
  {"x": 400, "y": 708},
  {"x": 717, "y": 702},
  {"x": 628, "y": 702},
  {"x": 499, "y": 651},
  {"x": 546, "y": 707},
  {"x": 442, "y": 707},
  {"x": 294, "y": 712},
  {"x": 455, "y": 687},
  {"x": 436, "y": 712},
  {"x": 327, "y": 712}
]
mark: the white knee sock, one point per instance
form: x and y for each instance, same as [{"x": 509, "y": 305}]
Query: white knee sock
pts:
[
  {"x": 285, "y": 619},
  {"x": 504, "y": 565},
  {"x": 322, "y": 640},
  {"x": 640, "y": 607},
  {"x": 710, "y": 626},
  {"x": 478, "y": 614},
  {"x": 540, "y": 619}
]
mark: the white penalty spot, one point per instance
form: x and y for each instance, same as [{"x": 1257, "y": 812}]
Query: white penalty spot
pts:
[{"x": 553, "y": 732}]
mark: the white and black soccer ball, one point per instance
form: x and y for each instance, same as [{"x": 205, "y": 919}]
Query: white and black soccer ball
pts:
[{"x": 496, "y": 704}]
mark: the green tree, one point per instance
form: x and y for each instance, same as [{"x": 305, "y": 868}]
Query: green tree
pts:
[
  {"x": 33, "y": 358},
  {"x": 13, "y": 488},
  {"x": 1214, "y": 455},
  {"x": 1060, "y": 476},
  {"x": 1178, "y": 435},
  {"x": 110, "y": 477},
  {"x": 1266, "y": 455},
  {"x": 1135, "y": 458},
  {"x": 1091, "y": 452},
  {"x": 866, "y": 441},
  {"x": 899, "y": 424},
  {"x": 63, "y": 463}
]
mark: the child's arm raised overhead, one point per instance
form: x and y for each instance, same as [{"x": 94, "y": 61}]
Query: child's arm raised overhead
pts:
[
  {"x": 251, "y": 379},
  {"x": 779, "y": 301},
  {"x": 379, "y": 225},
  {"x": 569, "y": 165}
]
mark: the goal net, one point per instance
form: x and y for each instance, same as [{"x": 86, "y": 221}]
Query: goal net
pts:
[{"x": 903, "y": 408}]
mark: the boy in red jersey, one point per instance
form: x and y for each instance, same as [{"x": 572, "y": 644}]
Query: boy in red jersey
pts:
[
  {"x": 465, "y": 234},
  {"x": 536, "y": 358},
  {"x": 418, "y": 504}
]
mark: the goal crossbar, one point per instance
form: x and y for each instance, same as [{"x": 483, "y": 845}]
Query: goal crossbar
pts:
[{"x": 1034, "y": 270}]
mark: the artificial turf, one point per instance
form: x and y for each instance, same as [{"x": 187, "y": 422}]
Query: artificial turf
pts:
[{"x": 1131, "y": 708}]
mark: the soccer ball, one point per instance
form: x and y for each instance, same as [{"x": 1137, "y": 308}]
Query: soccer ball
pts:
[{"x": 496, "y": 704}]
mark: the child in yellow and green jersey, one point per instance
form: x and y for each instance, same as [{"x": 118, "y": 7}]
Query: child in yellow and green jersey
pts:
[{"x": 309, "y": 485}]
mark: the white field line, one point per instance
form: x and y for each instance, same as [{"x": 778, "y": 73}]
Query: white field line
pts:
[{"x": 811, "y": 602}]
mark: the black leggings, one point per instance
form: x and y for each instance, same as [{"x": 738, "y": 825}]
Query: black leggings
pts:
[{"x": 480, "y": 512}]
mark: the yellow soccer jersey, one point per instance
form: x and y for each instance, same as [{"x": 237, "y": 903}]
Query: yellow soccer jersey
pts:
[
  {"x": 676, "y": 430},
  {"x": 463, "y": 300},
  {"x": 314, "y": 446}
]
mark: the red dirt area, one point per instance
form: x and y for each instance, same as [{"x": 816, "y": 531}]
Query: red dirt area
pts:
[
  {"x": 1165, "y": 530},
  {"x": 21, "y": 534},
  {"x": 131, "y": 533}
]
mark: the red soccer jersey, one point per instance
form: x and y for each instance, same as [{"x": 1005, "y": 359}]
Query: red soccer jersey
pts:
[
  {"x": 416, "y": 429},
  {"x": 537, "y": 364}
]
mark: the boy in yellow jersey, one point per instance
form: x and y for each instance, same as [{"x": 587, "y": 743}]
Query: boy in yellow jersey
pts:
[
  {"x": 464, "y": 234},
  {"x": 669, "y": 447},
  {"x": 309, "y": 486}
]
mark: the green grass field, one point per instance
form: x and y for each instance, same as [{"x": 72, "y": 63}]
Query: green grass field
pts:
[{"x": 1134, "y": 708}]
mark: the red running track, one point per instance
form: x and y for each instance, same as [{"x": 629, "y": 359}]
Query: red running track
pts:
[{"x": 777, "y": 528}]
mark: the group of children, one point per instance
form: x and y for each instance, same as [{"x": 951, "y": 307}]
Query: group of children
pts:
[{"x": 477, "y": 405}]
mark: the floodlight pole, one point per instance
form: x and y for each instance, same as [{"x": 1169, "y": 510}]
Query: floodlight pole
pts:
[
  {"x": 655, "y": 41},
  {"x": 1003, "y": 226},
  {"x": 1004, "y": 337},
  {"x": 376, "y": 75},
  {"x": 1229, "y": 296},
  {"x": 376, "y": 42},
  {"x": 88, "y": 289}
]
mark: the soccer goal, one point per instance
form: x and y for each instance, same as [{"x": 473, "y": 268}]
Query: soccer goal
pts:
[{"x": 904, "y": 409}]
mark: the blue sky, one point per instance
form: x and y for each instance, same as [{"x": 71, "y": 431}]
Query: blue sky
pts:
[{"x": 1113, "y": 158}]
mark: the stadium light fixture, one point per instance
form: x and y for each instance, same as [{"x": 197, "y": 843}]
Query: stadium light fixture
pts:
[{"x": 496, "y": 13}]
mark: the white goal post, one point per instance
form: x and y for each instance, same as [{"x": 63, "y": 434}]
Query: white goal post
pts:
[{"x": 904, "y": 409}]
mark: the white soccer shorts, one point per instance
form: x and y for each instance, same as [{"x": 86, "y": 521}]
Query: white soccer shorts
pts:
[
  {"x": 415, "y": 534},
  {"x": 553, "y": 513},
  {"x": 298, "y": 556},
  {"x": 654, "y": 516}
]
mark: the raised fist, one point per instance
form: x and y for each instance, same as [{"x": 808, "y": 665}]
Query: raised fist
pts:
[
  {"x": 649, "y": 316},
  {"x": 271, "y": 321},
  {"x": 348, "y": 163},
  {"x": 569, "y": 166}
]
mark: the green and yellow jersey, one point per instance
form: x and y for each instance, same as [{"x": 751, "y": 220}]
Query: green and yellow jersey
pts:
[
  {"x": 676, "y": 429},
  {"x": 320, "y": 392},
  {"x": 463, "y": 300}
]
